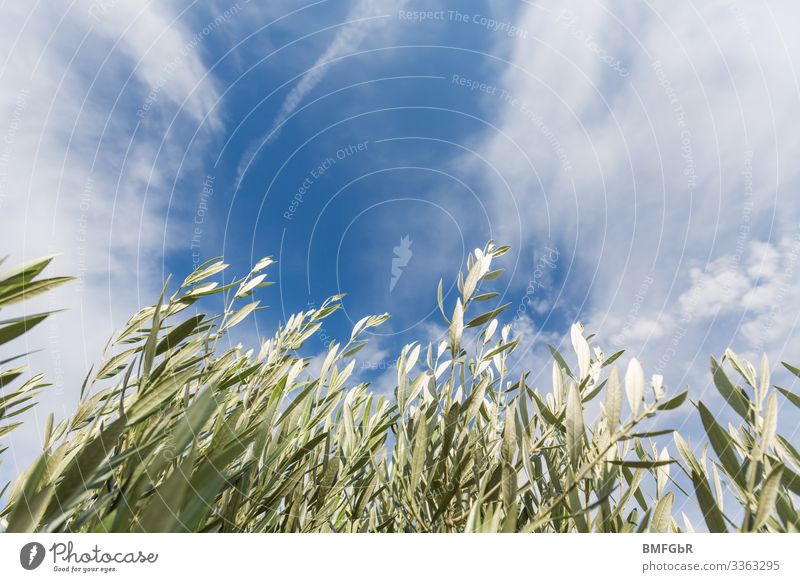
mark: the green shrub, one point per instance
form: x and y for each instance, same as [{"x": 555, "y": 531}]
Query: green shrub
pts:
[
  {"x": 175, "y": 433},
  {"x": 16, "y": 285}
]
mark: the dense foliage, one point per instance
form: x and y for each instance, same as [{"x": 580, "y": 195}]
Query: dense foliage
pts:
[{"x": 176, "y": 433}]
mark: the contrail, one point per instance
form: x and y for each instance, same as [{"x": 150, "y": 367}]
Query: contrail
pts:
[
  {"x": 347, "y": 40},
  {"x": 361, "y": 22}
]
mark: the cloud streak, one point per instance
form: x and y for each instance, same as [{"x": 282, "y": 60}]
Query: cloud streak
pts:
[{"x": 365, "y": 19}]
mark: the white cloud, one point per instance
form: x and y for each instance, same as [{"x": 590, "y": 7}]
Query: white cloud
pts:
[
  {"x": 163, "y": 50},
  {"x": 654, "y": 146},
  {"x": 755, "y": 308},
  {"x": 714, "y": 289},
  {"x": 79, "y": 177}
]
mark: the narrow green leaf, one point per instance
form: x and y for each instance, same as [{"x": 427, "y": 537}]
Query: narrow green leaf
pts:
[
  {"x": 662, "y": 516},
  {"x": 82, "y": 468},
  {"x": 162, "y": 513},
  {"x": 16, "y": 329},
  {"x": 150, "y": 345},
  {"x": 507, "y": 451},
  {"x": 708, "y": 506},
  {"x": 486, "y": 296},
  {"x": 768, "y": 497},
  {"x": 488, "y": 316},
  {"x": 239, "y": 315},
  {"x": 674, "y": 402},
  {"x": 792, "y": 369},
  {"x": 420, "y": 450},
  {"x": 180, "y": 333},
  {"x": 29, "y": 512},
  {"x": 613, "y": 402},
  {"x": 457, "y": 325},
  {"x": 574, "y": 425},
  {"x": 440, "y": 301},
  {"x": 722, "y": 443},
  {"x": 791, "y": 396},
  {"x": 612, "y": 358},
  {"x": 152, "y": 401},
  {"x": 733, "y": 395},
  {"x": 25, "y": 291},
  {"x": 770, "y": 423},
  {"x": 652, "y": 464},
  {"x": 205, "y": 271},
  {"x": 560, "y": 359}
]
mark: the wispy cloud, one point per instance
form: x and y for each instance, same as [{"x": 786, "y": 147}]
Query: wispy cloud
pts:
[
  {"x": 653, "y": 146},
  {"x": 83, "y": 175},
  {"x": 364, "y": 19}
]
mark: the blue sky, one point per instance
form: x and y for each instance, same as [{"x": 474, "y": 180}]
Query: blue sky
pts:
[{"x": 639, "y": 157}]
